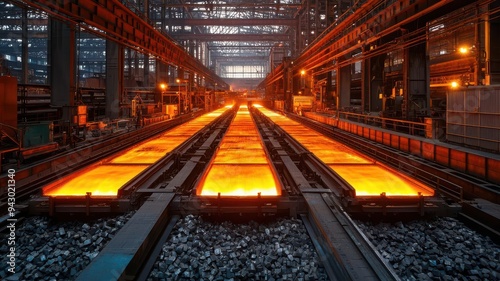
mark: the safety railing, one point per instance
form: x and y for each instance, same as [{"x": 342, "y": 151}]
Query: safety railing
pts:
[{"x": 403, "y": 126}]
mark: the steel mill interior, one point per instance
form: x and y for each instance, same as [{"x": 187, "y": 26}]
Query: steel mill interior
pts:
[{"x": 250, "y": 140}]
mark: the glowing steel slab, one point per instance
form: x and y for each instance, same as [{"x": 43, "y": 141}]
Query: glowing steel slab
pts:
[
  {"x": 240, "y": 166},
  {"x": 240, "y": 142},
  {"x": 373, "y": 180},
  {"x": 108, "y": 178},
  {"x": 241, "y": 131},
  {"x": 248, "y": 156},
  {"x": 299, "y": 130},
  {"x": 239, "y": 180},
  {"x": 338, "y": 157},
  {"x": 150, "y": 152},
  {"x": 102, "y": 180},
  {"x": 366, "y": 178}
]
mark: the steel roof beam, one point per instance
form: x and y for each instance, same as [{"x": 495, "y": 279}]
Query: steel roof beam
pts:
[
  {"x": 235, "y": 5},
  {"x": 367, "y": 24},
  {"x": 110, "y": 18},
  {"x": 232, "y": 37},
  {"x": 232, "y": 22}
]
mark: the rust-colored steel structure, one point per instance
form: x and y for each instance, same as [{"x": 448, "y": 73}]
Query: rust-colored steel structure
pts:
[
  {"x": 370, "y": 22},
  {"x": 111, "y": 19}
]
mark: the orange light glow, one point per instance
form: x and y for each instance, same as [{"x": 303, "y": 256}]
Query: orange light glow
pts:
[
  {"x": 107, "y": 178},
  {"x": 101, "y": 180},
  {"x": 149, "y": 152},
  {"x": 454, "y": 84},
  {"x": 239, "y": 180},
  {"x": 366, "y": 176},
  {"x": 372, "y": 180},
  {"x": 240, "y": 166}
]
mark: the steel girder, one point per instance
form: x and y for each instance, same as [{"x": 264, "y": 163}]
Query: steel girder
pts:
[
  {"x": 234, "y": 37},
  {"x": 370, "y": 22},
  {"x": 235, "y": 4},
  {"x": 116, "y": 22},
  {"x": 233, "y": 22}
]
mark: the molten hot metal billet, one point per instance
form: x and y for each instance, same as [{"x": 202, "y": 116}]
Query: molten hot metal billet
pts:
[
  {"x": 106, "y": 178},
  {"x": 149, "y": 152},
  {"x": 100, "y": 180},
  {"x": 374, "y": 179},
  {"x": 366, "y": 176},
  {"x": 240, "y": 166}
]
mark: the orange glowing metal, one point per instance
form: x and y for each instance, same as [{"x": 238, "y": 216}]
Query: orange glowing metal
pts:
[
  {"x": 150, "y": 152},
  {"x": 241, "y": 142},
  {"x": 372, "y": 180},
  {"x": 240, "y": 166},
  {"x": 239, "y": 180},
  {"x": 106, "y": 179},
  {"x": 241, "y": 131},
  {"x": 329, "y": 156},
  {"x": 228, "y": 156},
  {"x": 102, "y": 180},
  {"x": 363, "y": 174}
]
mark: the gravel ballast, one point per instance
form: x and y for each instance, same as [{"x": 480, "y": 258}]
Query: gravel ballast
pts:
[
  {"x": 198, "y": 249},
  {"x": 50, "y": 250},
  {"x": 439, "y": 249},
  {"x": 202, "y": 250}
]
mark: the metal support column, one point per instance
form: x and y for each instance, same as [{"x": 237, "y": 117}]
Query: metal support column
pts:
[
  {"x": 374, "y": 84},
  {"x": 24, "y": 51},
  {"x": 114, "y": 78},
  {"x": 416, "y": 90},
  {"x": 492, "y": 59},
  {"x": 344, "y": 86},
  {"x": 63, "y": 65}
]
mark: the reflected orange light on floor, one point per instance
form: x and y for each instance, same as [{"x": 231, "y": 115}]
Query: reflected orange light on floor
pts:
[
  {"x": 117, "y": 170},
  {"x": 240, "y": 166},
  {"x": 362, "y": 173}
]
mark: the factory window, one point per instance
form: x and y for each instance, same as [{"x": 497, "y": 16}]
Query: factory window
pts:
[
  {"x": 357, "y": 67},
  {"x": 243, "y": 71}
]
